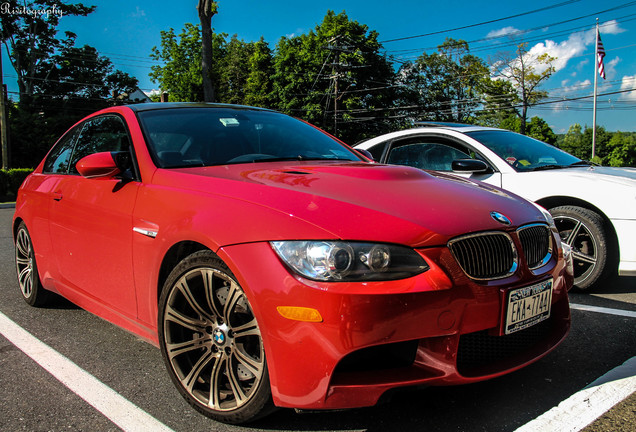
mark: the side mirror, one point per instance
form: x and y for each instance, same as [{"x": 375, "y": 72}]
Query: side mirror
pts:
[
  {"x": 366, "y": 153},
  {"x": 98, "y": 165},
  {"x": 469, "y": 166}
]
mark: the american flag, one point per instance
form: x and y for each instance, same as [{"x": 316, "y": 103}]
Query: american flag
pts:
[{"x": 600, "y": 54}]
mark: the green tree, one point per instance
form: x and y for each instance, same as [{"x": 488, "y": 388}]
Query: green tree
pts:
[
  {"x": 72, "y": 83},
  {"x": 180, "y": 75},
  {"x": 31, "y": 39},
  {"x": 234, "y": 71},
  {"x": 578, "y": 142},
  {"x": 498, "y": 100},
  {"x": 602, "y": 139},
  {"x": 526, "y": 73},
  {"x": 446, "y": 85},
  {"x": 258, "y": 87},
  {"x": 79, "y": 78},
  {"x": 539, "y": 129},
  {"x": 573, "y": 142},
  {"x": 336, "y": 77},
  {"x": 622, "y": 150}
]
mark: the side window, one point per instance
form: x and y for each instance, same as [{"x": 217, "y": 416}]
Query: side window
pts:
[
  {"x": 430, "y": 156},
  {"x": 100, "y": 134},
  {"x": 57, "y": 162},
  {"x": 377, "y": 151}
]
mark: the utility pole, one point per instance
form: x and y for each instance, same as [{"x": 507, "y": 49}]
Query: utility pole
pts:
[
  {"x": 336, "y": 73},
  {"x": 4, "y": 137}
]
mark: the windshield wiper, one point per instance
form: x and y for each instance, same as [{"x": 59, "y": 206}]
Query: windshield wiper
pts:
[
  {"x": 556, "y": 166},
  {"x": 582, "y": 163},
  {"x": 548, "y": 167}
]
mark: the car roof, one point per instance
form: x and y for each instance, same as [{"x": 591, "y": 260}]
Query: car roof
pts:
[
  {"x": 459, "y": 127},
  {"x": 150, "y": 106}
]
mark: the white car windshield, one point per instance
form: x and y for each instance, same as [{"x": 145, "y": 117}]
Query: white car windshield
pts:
[{"x": 524, "y": 153}]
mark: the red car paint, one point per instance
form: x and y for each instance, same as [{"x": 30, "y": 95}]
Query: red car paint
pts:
[{"x": 101, "y": 243}]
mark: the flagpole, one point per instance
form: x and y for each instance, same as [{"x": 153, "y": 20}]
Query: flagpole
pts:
[{"x": 595, "y": 85}]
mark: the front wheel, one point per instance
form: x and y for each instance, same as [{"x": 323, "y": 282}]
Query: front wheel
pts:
[
  {"x": 584, "y": 231},
  {"x": 28, "y": 279},
  {"x": 211, "y": 342}
]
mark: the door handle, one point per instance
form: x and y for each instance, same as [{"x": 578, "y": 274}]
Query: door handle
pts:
[{"x": 57, "y": 196}]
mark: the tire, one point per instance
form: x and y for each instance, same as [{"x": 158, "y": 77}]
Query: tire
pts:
[
  {"x": 584, "y": 230},
  {"x": 27, "y": 270},
  {"x": 211, "y": 342}
]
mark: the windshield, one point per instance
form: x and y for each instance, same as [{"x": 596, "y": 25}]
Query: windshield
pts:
[
  {"x": 522, "y": 152},
  {"x": 205, "y": 136}
]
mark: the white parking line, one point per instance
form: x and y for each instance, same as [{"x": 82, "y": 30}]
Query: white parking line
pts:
[
  {"x": 582, "y": 408},
  {"x": 116, "y": 408},
  {"x": 608, "y": 311},
  {"x": 585, "y": 406}
]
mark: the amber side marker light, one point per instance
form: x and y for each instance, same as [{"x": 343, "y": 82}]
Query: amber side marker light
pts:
[{"x": 298, "y": 313}]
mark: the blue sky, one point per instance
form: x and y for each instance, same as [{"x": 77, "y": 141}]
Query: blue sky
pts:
[{"x": 125, "y": 31}]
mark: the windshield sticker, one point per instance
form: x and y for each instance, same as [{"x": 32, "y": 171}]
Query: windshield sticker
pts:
[{"x": 229, "y": 122}]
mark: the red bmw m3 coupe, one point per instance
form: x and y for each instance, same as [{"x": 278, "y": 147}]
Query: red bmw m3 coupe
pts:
[{"x": 274, "y": 266}]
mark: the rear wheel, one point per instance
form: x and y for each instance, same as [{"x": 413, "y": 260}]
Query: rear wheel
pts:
[
  {"x": 584, "y": 231},
  {"x": 28, "y": 279},
  {"x": 211, "y": 342}
]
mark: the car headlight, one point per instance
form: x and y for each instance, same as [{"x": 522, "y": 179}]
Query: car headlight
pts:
[
  {"x": 339, "y": 261},
  {"x": 546, "y": 215}
]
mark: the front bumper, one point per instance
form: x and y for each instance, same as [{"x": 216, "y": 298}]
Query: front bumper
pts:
[
  {"x": 626, "y": 233},
  {"x": 376, "y": 336}
]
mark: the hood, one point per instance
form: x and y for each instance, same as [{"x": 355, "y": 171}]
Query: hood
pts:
[
  {"x": 361, "y": 201},
  {"x": 626, "y": 176}
]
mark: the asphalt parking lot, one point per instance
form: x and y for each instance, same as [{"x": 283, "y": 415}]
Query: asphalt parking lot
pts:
[{"x": 96, "y": 377}]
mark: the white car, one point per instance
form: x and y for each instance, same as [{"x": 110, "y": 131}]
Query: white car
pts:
[{"x": 594, "y": 207}]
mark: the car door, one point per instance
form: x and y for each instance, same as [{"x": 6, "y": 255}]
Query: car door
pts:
[
  {"x": 91, "y": 222},
  {"x": 437, "y": 153}
]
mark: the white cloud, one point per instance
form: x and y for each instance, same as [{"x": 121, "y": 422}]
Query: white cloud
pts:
[
  {"x": 574, "y": 46},
  {"x": 628, "y": 83},
  {"x": 502, "y": 32}
]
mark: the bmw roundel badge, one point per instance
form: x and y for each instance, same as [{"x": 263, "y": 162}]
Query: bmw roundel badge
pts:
[
  {"x": 218, "y": 336},
  {"x": 500, "y": 218}
]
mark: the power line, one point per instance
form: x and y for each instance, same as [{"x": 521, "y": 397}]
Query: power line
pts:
[{"x": 484, "y": 22}]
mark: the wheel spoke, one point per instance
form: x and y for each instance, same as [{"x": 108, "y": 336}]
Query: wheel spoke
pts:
[
  {"x": 253, "y": 365},
  {"x": 23, "y": 245},
  {"x": 208, "y": 283},
  {"x": 247, "y": 329},
  {"x": 198, "y": 368},
  {"x": 574, "y": 232},
  {"x": 25, "y": 276},
  {"x": 580, "y": 256},
  {"x": 176, "y": 349},
  {"x": 184, "y": 289},
  {"x": 235, "y": 384},
  {"x": 177, "y": 317},
  {"x": 25, "y": 281},
  {"x": 214, "y": 401},
  {"x": 233, "y": 296}
]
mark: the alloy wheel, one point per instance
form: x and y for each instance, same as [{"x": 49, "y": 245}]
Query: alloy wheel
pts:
[{"x": 212, "y": 340}]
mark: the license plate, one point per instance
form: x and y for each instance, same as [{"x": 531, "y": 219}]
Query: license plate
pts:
[{"x": 528, "y": 306}]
